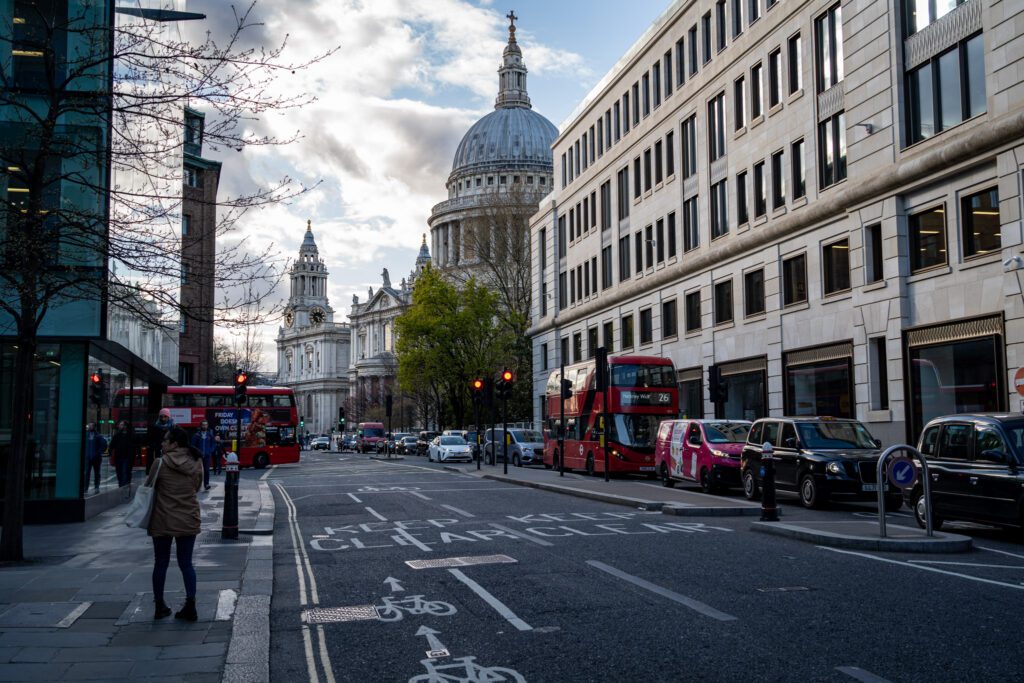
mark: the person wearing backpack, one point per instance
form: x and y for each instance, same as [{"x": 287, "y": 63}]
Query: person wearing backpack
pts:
[{"x": 175, "y": 519}]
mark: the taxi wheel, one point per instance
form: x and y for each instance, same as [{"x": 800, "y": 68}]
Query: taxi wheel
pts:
[
  {"x": 921, "y": 519},
  {"x": 811, "y": 495},
  {"x": 750, "y": 488},
  {"x": 666, "y": 480},
  {"x": 591, "y": 472}
]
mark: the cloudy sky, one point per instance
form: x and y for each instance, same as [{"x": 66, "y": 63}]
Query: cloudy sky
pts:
[{"x": 408, "y": 79}]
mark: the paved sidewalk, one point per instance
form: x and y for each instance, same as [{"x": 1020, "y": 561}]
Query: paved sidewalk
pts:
[
  {"x": 81, "y": 607},
  {"x": 862, "y": 534},
  {"x": 648, "y": 495}
]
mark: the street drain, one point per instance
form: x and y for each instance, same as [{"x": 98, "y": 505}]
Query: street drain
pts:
[
  {"x": 460, "y": 561},
  {"x": 334, "y": 615}
]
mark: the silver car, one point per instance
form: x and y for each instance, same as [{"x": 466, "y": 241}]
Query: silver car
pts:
[
  {"x": 526, "y": 446},
  {"x": 449, "y": 449}
]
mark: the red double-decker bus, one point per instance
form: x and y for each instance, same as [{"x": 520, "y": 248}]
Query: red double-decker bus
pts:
[
  {"x": 269, "y": 419},
  {"x": 642, "y": 392}
]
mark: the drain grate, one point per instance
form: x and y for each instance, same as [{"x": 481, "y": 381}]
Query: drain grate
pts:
[
  {"x": 460, "y": 561},
  {"x": 334, "y": 615}
]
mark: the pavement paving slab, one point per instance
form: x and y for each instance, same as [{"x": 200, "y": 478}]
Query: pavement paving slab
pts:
[{"x": 81, "y": 607}]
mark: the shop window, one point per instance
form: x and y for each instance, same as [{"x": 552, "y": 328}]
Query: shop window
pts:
[
  {"x": 794, "y": 280},
  {"x": 824, "y": 388},
  {"x": 691, "y": 400},
  {"x": 927, "y": 239},
  {"x": 979, "y": 215},
  {"x": 835, "y": 259},
  {"x": 747, "y": 398}
]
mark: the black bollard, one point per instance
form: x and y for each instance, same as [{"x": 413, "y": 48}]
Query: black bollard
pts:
[
  {"x": 769, "y": 510},
  {"x": 229, "y": 525}
]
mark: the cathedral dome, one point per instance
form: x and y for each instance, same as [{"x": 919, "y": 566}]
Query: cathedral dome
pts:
[{"x": 507, "y": 138}]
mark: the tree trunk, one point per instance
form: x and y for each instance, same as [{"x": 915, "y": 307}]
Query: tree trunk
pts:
[{"x": 23, "y": 398}]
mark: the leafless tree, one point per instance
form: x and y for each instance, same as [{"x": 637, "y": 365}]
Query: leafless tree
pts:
[{"x": 91, "y": 148}]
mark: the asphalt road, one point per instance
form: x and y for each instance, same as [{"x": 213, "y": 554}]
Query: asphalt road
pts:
[{"x": 556, "y": 588}]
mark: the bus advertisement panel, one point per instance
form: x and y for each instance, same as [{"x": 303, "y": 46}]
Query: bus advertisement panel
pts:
[
  {"x": 268, "y": 422},
  {"x": 642, "y": 392}
]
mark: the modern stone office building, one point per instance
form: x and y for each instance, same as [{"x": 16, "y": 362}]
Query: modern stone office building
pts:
[{"x": 814, "y": 198}]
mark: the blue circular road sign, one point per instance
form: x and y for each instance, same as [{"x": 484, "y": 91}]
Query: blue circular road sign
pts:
[{"x": 902, "y": 473}]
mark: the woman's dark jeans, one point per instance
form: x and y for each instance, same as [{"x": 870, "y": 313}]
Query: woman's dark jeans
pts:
[{"x": 162, "y": 559}]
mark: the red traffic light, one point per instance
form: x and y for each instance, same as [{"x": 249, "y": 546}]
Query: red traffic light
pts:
[
  {"x": 506, "y": 375},
  {"x": 477, "y": 384},
  {"x": 96, "y": 378},
  {"x": 241, "y": 378}
]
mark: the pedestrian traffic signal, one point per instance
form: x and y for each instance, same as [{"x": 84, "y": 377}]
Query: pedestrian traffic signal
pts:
[
  {"x": 97, "y": 387},
  {"x": 241, "y": 387},
  {"x": 505, "y": 383}
]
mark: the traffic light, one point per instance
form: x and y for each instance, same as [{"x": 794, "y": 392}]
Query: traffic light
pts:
[
  {"x": 388, "y": 403},
  {"x": 566, "y": 388},
  {"x": 302, "y": 421},
  {"x": 506, "y": 381},
  {"x": 718, "y": 390},
  {"x": 476, "y": 387},
  {"x": 97, "y": 387},
  {"x": 601, "y": 361},
  {"x": 241, "y": 387},
  {"x": 341, "y": 418}
]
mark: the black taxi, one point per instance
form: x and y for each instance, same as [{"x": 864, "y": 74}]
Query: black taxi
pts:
[
  {"x": 816, "y": 458},
  {"x": 975, "y": 465}
]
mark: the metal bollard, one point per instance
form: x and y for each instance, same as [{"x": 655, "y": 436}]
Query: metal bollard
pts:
[
  {"x": 229, "y": 525},
  {"x": 769, "y": 510}
]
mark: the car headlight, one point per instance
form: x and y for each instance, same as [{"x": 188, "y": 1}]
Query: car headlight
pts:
[
  {"x": 835, "y": 468},
  {"x": 719, "y": 454}
]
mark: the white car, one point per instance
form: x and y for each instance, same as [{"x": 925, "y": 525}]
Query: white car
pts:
[{"x": 449, "y": 449}]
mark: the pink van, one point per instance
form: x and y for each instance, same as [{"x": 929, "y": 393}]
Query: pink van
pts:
[{"x": 704, "y": 451}]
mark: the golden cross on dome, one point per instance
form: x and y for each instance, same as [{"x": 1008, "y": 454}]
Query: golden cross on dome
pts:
[{"x": 511, "y": 16}]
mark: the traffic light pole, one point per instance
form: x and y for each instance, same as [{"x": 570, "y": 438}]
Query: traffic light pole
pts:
[
  {"x": 479, "y": 437},
  {"x": 504, "y": 433},
  {"x": 561, "y": 416}
]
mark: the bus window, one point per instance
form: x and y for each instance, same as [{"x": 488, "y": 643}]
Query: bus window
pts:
[
  {"x": 259, "y": 400},
  {"x": 283, "y": 400},
  {"x": 218, "y": 400},
  {"x": 643, "y": 376}
]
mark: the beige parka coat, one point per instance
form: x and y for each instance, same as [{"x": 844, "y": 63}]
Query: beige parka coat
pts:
[{"x": 175, "y": 506}]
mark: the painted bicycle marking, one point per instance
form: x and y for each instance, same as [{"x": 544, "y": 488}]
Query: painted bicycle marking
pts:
[
  {"x": 415, "y": 605},
  {"x": 465, "y": 670},
  {"x": 385, "y": 489}
]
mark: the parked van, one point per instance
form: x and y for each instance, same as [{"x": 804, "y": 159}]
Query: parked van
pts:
[
  {"x": 368, "y": 435},
  {"x": 704, "y": 451}
]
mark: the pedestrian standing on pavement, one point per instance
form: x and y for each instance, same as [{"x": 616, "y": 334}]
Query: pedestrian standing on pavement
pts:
[
  {"x": 218, "y": 454},
  {"x": 122, "y": 448},
  {"x": 163, "y": 424},
  {"x": 95, "y": 445},
  {"x": 205, "y": 442},
  {"x": 176, "y": 519}
]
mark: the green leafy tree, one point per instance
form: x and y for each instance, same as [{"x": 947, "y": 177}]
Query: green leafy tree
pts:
[{"x": 448, "y": 336}]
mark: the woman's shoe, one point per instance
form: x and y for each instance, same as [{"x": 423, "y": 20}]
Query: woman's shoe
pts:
[
  {"x": 187, "y": 611},
  {"x": 161, "y": 610}
]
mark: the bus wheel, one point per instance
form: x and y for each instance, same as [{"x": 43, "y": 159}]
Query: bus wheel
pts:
[
  {"x": 666, "y": 480},
  {"x": 261, "y": 461},
  {"x": 591, "y": 472}
]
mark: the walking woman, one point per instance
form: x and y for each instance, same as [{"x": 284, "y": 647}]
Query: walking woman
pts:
[{"x": 175, "y": 519}]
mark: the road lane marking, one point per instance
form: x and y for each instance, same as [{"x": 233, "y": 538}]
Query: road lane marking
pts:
[
  {"x": 1001, "y": 552},
  {"x": 325, "y": 658},
  {"x": 310, "y": 659},
  {"x": 268, "y": 472},
  {"x": 494, "y": 602},
  {"x": 458, "y": 511},
  {"x": 696, "y": 605},
  {"x": 968, "y": 564},
  {"x": 520, "y": 534},
  {"x": 354, "y": 497},
  {"x": 415, "y": 541},
  {"x": 417, "y": 494},
  {"x": 861, "y": 674},
  {"x": 923, "y": 568},
  {"x": 376, "y": 514}
]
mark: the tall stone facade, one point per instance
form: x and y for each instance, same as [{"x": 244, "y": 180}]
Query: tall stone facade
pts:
[{"x": 313, "y": 351}]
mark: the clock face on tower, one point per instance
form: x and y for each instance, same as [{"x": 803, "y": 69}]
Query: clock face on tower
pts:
[
  {"x": 289, "y": 318},
  {"x": 317, "y": 316}
]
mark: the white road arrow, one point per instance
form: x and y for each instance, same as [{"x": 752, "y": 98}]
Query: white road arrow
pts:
[
  {"x": 395, "y": 586},
  {"x": 433, "y": 643}
]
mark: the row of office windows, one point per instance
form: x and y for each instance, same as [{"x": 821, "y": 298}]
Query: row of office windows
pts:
[{"x": 979, "y": 232}]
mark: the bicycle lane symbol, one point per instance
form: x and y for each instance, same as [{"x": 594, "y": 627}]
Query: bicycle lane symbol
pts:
[
  {"x": 414, "y": 605},
  {"x": 465, "y": 670}
]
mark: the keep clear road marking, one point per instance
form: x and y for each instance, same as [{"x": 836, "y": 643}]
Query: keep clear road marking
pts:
[
  {"x": 415, "y": 541},
  {"x": 302, "y": 562},
  {"x": 861, "y": 674},
  {"x": 417, "y": 494},
  {"x": 520, "y": 534},
  {"x": 354, "y": 497},
  {"x": 458, "y": 511},
  {"x": 924, "y": 568},
  {"x": 494, "y": 602},
  {"x": 376, "y": 514},
  {"x": 695, "y": 605}
]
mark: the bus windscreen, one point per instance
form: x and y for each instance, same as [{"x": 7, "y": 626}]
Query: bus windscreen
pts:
[{"x": 643, "y": 376}]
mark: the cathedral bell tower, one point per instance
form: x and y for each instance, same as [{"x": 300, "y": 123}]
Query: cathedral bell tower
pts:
[{"x": 307, "y": 299}]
